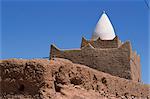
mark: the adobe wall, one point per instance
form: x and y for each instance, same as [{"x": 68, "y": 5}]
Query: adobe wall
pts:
[
  {"x": 135, "y": 66},
  {"x": 115, "y": 61},
  {"x": 115, "y": 43},
  {"x": 111, "y": 87},
  {"x": 23, "y": 77},
  {"x": 62, "y": 79}
]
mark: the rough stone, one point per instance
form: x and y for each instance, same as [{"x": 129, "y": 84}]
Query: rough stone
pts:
[
  {"x": 120, "y": 61},
  {"x": 62, "y": 79}
]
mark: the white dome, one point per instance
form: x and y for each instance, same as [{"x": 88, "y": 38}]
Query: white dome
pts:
[{"x": 104, "y": 29}]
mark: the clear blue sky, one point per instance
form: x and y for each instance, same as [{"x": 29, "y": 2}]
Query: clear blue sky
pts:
[{"x": 29, "y": 27}]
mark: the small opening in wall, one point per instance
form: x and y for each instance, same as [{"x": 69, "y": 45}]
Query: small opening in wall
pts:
[
  {"x": 116, "y": 94},
  {"x": 57, "y": 88},
  {"x": 21, "y": 87},
  {"x": 138, "y": 80},
  {"x": 76, "y": 81},
  {"x": 104, "y": 81}
]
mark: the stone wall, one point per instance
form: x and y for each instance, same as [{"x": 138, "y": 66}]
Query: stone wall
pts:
[
  {"x": 115, "y": 61},
  {"x": 23, "y": 77},
  {"x": 115, "y": 43},
  {"x": 62, "y": 79},
  {"x": 135, "y": 66}
]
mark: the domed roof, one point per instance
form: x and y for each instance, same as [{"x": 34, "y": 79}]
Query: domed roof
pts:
[{"x": 103, "y": 29}]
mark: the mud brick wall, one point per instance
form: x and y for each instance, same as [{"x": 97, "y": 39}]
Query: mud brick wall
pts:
[
  {"x": 115, "y": 43},
  {"x": 23, "y": 77},
  {"x": 135, "y": 66},
  {"x": 101, "y": 82},
  {"x": 53, "y": 79},
  {"x": 115, "y": 61}
]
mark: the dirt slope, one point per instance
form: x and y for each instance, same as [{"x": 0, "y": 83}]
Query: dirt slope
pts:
[{"x": 62, "y": 79}]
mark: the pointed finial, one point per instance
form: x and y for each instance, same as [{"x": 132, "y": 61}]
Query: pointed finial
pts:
[{"x": 104, "y": 11}]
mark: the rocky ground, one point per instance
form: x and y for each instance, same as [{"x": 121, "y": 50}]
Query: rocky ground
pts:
[{"x": 62, "y": 79}]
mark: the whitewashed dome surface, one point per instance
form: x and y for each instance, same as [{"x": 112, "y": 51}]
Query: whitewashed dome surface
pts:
[{"x": 104, "y": 29}]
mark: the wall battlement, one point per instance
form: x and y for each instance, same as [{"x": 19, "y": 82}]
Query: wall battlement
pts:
[
  {"x": 111, "y": 57},
  {"x": 115, "y": 43}
]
